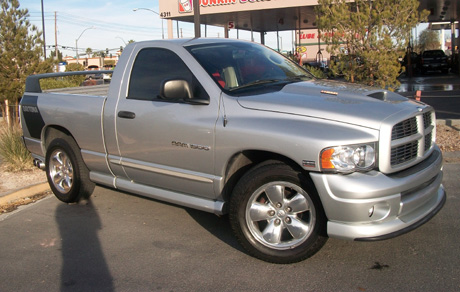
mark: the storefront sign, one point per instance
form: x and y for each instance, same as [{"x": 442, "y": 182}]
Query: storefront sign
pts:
[
  {"x": 307, "y": 37},
  {"x": 186, "y": 6},
  {"x": 177, "y": 8}
]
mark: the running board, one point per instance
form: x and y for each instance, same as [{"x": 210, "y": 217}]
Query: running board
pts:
[{"x": 211, "y": 206}]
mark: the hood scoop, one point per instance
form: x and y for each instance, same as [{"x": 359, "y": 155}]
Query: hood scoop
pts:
[{"x": 387, "y": 96}]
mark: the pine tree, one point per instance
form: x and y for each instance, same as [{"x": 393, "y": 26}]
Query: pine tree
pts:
[
  {"x": 20, "y": 55},
  {"x": 429, "y": 40},
  {"x": 367, "y": 36}
]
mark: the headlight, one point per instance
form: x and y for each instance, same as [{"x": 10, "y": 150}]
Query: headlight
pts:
[{"x": 348, "y": 158}]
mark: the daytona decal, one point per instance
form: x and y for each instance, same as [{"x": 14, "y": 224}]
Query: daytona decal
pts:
[{"x": 32, "y": 117}]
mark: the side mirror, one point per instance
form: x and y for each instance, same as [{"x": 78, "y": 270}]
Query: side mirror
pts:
[
  {"x": 179, "y": 90},
  {"x": 176, "y": 90}
]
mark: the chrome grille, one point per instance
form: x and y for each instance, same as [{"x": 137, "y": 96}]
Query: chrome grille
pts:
[
  {"x": 404, "y": 153},
  {"x": 411, "y": 139},
  {"x": 428, "y": 141},
  {"x": 404, "y": 129},
  {"x": 427, "y": 120}
]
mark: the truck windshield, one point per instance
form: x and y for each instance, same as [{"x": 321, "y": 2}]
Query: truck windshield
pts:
[{"x": 238, "y": 66}]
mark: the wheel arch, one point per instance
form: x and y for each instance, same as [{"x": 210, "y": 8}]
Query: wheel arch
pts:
[
  {"x": 52, "y": 132},
  {"x": 240, "y": 163},
  {"x": 71, "y": 171}
]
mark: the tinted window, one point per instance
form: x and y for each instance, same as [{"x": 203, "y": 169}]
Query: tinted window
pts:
[
  {"x": 151, "y": 68},
  {"x": 434, "y": 53},
  {"x": 237, "y": 66}
]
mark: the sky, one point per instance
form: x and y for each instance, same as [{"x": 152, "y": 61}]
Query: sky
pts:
[{"x": 108, "y": 24}]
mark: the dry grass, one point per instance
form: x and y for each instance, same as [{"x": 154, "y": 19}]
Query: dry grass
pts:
[{"x": 13, "y": 152}]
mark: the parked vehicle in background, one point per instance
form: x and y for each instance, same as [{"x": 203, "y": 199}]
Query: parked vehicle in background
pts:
[
  {"x": 228, "y": 126},
  {"x": 414, "y": 62},
  {"x": 434, "y": 60}
]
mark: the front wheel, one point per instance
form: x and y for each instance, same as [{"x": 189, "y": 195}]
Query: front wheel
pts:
[
  {"x": 276, "y": 214},
  {"x": 66, "y": 172}
]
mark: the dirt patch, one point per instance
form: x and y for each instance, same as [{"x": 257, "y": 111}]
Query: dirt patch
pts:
[
  {"x": 11, "y": 206},
  {"x": 447, "y": 138},
  {"x": 11, "y": 181}
]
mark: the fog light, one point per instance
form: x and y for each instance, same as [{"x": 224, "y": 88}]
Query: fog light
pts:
[
  {"x": 371, "y": 211},
  {"x": 379, "y": 211}
]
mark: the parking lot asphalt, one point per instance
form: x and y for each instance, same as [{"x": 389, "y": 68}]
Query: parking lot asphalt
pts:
[
  {"x": 122, "y": 242},
  {"x": 442, "y": 91}
]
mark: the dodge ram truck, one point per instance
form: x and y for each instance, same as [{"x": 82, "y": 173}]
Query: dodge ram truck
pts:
[{"x": 232, "y": 127}]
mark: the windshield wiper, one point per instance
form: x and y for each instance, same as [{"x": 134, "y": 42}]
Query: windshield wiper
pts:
[
  {"x": 256, "y": 82},
  {"x": 298, "y": 78}
]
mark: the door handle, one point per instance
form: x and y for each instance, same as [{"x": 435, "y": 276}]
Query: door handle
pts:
[{"x": 126, "y": 115}]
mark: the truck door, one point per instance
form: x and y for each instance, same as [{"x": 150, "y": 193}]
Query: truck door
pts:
[{"x": 166, "y": 144}]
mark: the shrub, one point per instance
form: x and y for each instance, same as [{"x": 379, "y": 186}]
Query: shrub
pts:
[
  {"x": 66, "y": 81},
  {"x": 14, "y": 153},
  {"x": 318, "y": 73},
  {"x": 52, "y": 83}
]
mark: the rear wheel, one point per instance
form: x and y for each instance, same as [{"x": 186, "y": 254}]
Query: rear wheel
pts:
[
  {"x": 276, "y": 215},
  {"x": 66, "y": 172}
]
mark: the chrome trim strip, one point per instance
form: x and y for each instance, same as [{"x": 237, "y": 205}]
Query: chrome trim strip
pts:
[
  {"x": 207, "y": 205},
  {"x": 158, "y": 170},
  {"x": 93, "y": 153}
]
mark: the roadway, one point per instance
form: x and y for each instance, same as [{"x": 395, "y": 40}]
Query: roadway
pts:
[
  {"x": 442, "y": 91},
  {"x": 121, "y": 242}
]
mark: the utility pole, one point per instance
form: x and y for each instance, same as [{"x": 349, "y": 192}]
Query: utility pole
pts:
[
  {"x": 196, "y": 18},
  {"x": 55, "y": 36},
  {"x": 178, "y": 35},
  {"x": 43, "y": 27}
]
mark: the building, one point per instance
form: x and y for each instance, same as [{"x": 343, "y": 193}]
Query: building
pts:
[
  {"x": 95, "y": 63},
  {"x": 261, "y": 16}
]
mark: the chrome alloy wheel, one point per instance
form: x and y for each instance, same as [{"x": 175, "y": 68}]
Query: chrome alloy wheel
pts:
[
  {"x": 61, "y": 171},
  {"x": 280, "y": 215}
]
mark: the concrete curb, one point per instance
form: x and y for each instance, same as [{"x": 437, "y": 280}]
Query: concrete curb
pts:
[
  {"x": 449, "y": 122},
  {"x": 24, "y": 193}
]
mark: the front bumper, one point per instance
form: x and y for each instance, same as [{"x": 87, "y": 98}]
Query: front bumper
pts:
[
  {"x": 374, "y": 206},
  {"x": 435, "y": 66}
]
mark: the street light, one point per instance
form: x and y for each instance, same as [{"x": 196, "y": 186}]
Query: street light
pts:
[
  {"x": 162, "y": 28},
  {"x": 76, "y": 41},
  {"x": 121, "y": 39}
]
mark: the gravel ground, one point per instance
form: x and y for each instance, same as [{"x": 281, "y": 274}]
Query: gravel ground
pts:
[
  {"x": 10, "y": 181},
  {"x": 448, "y": 138}
]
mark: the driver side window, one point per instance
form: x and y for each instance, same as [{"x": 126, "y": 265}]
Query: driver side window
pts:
[{"x": 153, "y": 66}]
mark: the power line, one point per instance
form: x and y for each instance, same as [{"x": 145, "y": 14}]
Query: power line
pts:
[{"x": 82, "y": 21}]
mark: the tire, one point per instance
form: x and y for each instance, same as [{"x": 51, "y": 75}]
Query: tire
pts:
[
  {"x": 276, "y": 214},
  {"x": 66, "y": 172}
]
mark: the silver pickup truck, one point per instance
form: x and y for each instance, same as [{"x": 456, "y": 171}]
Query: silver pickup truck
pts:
[{"x": 229, "y": 126}]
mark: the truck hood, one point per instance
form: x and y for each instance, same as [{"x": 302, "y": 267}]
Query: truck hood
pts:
[{"x": 331, "y": 100}]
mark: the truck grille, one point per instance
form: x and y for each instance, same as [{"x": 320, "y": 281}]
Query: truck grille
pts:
[
  {"x": 404, "y": 129},
  {"x": 404, "y": 153},
  {"x": 427, "y": 119},
  {"x": 411, "y": 139}
]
